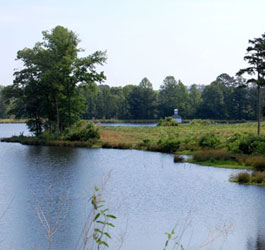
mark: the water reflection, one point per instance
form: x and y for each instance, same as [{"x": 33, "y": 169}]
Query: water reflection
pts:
[{"x": 146, "y": 189}]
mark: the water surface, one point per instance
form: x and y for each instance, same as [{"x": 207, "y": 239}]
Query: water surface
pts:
[{"x": 147, "y": 192}]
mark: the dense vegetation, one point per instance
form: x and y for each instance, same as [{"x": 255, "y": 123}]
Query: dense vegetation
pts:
[
  {"x": 47, "y": 90},
  {"x": 223, "y": 99}
]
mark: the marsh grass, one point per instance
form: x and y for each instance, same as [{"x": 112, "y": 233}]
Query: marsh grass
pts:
[{"x": 213, "y": 155}]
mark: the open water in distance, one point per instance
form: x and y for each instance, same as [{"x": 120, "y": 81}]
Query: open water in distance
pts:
[{"x": 147, "y": 192}]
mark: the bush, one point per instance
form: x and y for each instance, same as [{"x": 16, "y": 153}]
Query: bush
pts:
[
  {"x": 209, "y": 140},
  {"x": 233, "y": 142},
  {"x": 90, "y": 132},
  {"x": 178, "y": 158},
  {"x": 169, "y": 145},
  {"x": 167, "y": 122},
  {"x": 246, "y": 144},
  {"x": 258, "y": 177},
  {"x": 243, "y": 177}
]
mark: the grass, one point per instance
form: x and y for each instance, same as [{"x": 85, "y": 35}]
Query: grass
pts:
[
  {"x": 221, "y": 164},
  {"x": 254, "y": 178}
]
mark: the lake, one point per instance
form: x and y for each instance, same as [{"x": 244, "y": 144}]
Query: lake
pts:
[{"x": 149, "y": 194}]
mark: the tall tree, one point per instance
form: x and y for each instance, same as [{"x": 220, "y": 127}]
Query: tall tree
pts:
[
  {"x": 49, "y": 85},
  {"x": 194, "y": 101},
  {"x": 256, "y": 58},
  {"x": 172, "y": 94}
]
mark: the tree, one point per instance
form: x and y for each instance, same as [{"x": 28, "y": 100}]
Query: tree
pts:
[
  {"x": 194, "y": 101},
  {"x": 2, "y": 105},
  {"x": 142, "y": 101},
  {"x": 213, "y": 102},
  {"x": 48, "y": 88},
  {"x": 256, "y": 58},
  {"x": 172, "y": 94}
]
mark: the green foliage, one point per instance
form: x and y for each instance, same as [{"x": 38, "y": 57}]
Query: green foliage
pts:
[
  {"x": 168, "y": 145},
  {"x": 88, "y": 133},
  {"x": 103, "y": 221},
  {"x": 221, "y": 100},
  {"x": 246, "y": 144},
  {"x": 48, "y": 86},
  {"x": 209, "y": 140},
  {"x": 256, "y": 58},
  {"x": 233, "y": 142},
  {"x": 174, "y": 238},
  {"x": 167, "y": 122}
]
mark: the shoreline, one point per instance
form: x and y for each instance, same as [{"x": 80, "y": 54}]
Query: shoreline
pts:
[{"x": 183, "y": 139}]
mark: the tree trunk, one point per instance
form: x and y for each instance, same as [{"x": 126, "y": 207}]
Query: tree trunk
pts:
[{"x": 259, "y": 108}]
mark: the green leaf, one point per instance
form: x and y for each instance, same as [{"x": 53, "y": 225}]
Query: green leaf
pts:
[
  {"x": 110, "y": 224},
  {"x": 96, "y": 217},
  {"x": 98, "y": 230},
  {"x": 107, "y": 235},
  {"x": 104, "y": 243},
  {"x": 111, "y": 216}
]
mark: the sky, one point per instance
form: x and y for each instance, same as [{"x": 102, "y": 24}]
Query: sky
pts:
[{"x": 192, "y": 40}]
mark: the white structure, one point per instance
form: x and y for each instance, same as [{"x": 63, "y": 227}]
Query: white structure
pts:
[{"x": 176, "y": 116}]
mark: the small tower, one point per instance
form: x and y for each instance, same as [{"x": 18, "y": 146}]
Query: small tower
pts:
[{"x": 176, "y": 116}]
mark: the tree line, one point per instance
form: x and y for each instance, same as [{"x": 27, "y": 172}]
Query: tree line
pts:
[
  {"x": 55, "y": 88},
  {"x": 223, "y": 99}
]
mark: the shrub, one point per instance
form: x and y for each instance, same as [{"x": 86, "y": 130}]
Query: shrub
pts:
[
  {"x": 178, "y": 158},
  {"x": 258, "y": 177},
  {"x": 90, "y": 132},
  {"x": 167, "y": 122},
  {"x": 169, "y": 145},
  {"x": 146, "y": 143},
  {"x": 246, "y": 144},
  {"x": 209, "y": 140},
  {"x": 233, "y": 142},
  {"x": 243, "y": 177}
]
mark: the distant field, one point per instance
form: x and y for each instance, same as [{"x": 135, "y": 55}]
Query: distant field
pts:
[{"x": 186, "y": 133}]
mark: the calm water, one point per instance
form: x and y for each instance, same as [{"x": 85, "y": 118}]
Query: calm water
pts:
[{"x": 147, "y": 191}]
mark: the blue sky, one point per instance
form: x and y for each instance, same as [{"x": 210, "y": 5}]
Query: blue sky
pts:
[{"x": 193, "y": 40}]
